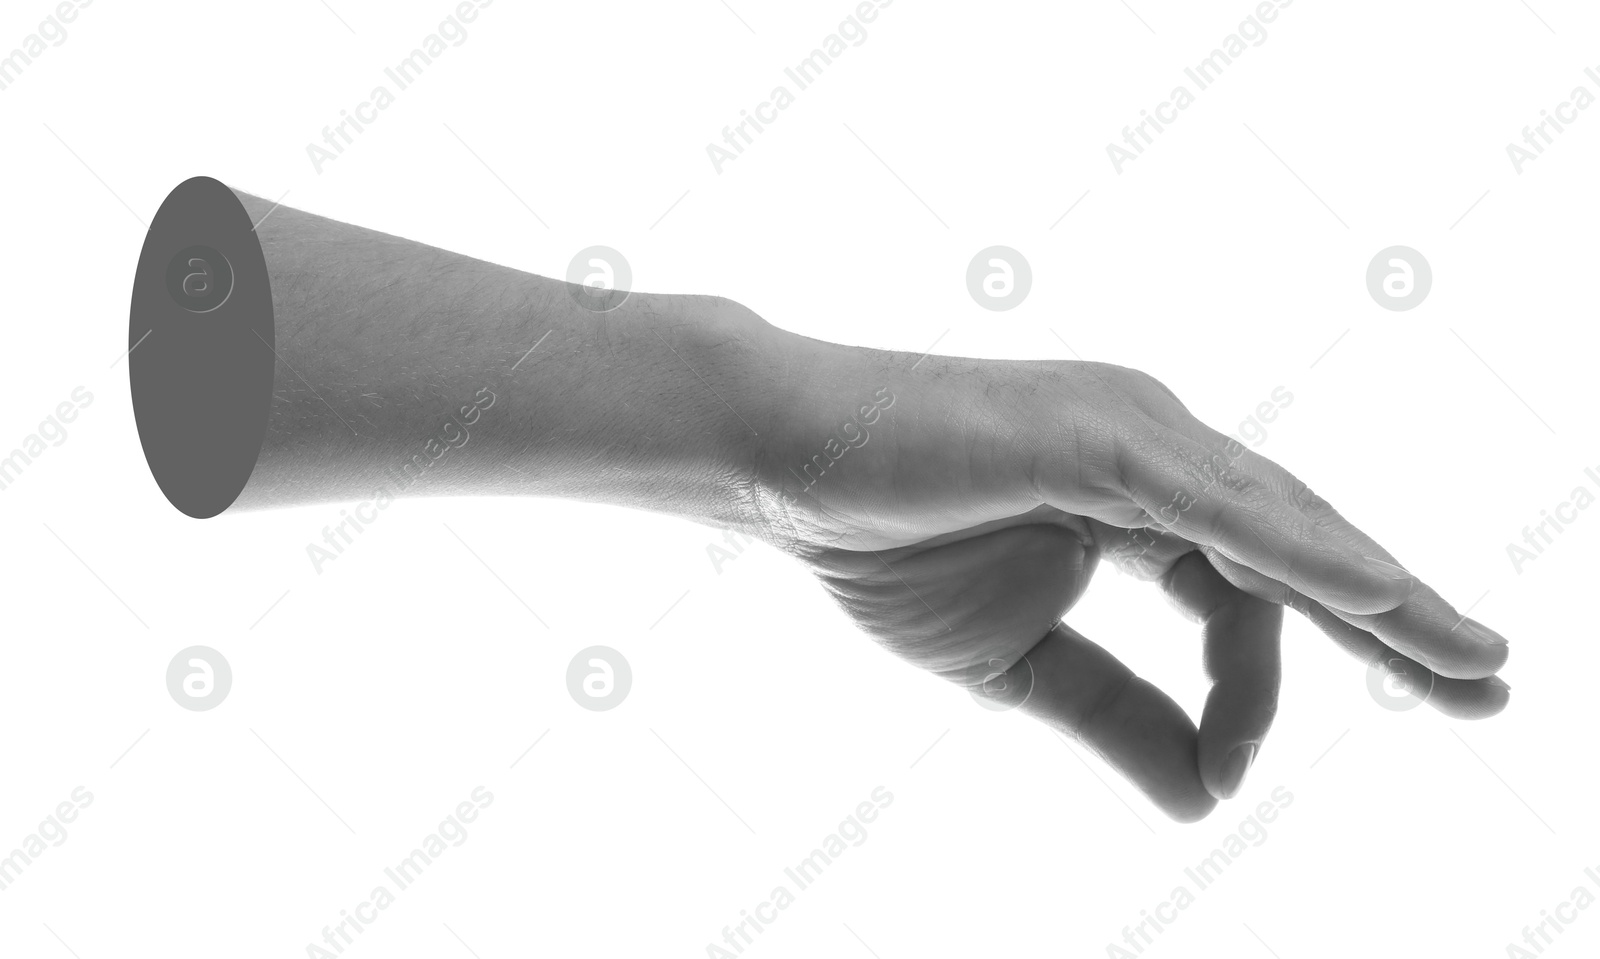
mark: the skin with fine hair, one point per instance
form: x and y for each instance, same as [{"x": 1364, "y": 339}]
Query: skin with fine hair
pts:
[{"x": 955, "y": 508}]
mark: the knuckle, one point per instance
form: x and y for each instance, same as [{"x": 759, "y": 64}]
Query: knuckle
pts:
[
  {"x": 1306, "y": 499},
  {"x": 1097, "y": 710}
]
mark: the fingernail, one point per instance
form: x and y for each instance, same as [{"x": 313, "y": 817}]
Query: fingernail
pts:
[
  {"x": 1388, "y": 570},
  {"x": 1487, "y": 635},
  {"x": 1234, "y": 768},
  {"x": 1497, "y": 681}
]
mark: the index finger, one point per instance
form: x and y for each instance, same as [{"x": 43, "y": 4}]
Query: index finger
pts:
[
  {"x": 1195, "y": 492},
  {"x": 1425, "y": 626}
]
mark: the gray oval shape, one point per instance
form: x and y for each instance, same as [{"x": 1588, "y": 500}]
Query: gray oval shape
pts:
[
  {"x": 199, "y": 279},
  {"x": 201, "y": 380}
]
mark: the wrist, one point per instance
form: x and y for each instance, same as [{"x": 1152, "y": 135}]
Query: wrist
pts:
[
  {"x": 861, "y": 435},
  {"x": 832, "y": 443},
  {"x": 689, "y": 422}
]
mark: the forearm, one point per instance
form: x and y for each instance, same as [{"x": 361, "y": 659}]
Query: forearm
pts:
[{"x": 405, "y": 367}]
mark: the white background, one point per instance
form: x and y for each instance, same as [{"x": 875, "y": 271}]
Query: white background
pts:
[{"x": 370, "y": 699}]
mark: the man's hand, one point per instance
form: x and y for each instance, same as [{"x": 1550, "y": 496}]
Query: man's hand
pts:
[{"x": 956, "y": 509}]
